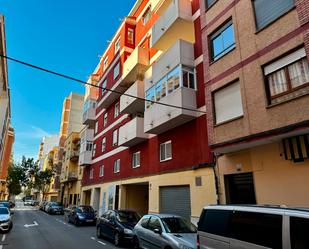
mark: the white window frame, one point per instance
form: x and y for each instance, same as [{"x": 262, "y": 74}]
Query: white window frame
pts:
[
  {"x": 96, "y": 127},
  {"x": 117, "y": 166},
  {"x": 94, "y": 147},
  {"x": 104, "y": 84},
  {"x": 134, "y": 159},
  {"x": 117, "y": 70},
  {"x": 89, "y": 146},
  {"x": 117, "y": 45},
  {"x": 130, "y": 30},
  {"x": 115, "y": 137},
  {"x": 101, "y": 173},
  {"x": 116, "y": 110},
  {"x": 105, "y": 119},
  {"x": 91, "y": 174},
  {"x": 104, "y": 144},
  {"x": 147, "y": 14},
  {"x": 165, "y": 156},
  {"x": 105, "y": 63}
]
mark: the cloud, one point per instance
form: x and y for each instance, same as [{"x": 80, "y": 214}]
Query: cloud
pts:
[{"x": 33, "y": 132}]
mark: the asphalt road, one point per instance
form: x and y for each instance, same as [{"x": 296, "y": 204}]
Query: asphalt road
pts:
[{"x": 51, "y": 232}]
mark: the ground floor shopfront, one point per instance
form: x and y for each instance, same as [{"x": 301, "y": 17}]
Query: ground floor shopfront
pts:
[
  {"x": 70, "y": 193},
  {"x": 275, "y": 173},
  {"x": 184, "y": 193}
]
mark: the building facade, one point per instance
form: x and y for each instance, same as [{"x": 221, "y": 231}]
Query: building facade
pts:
[
  {"x": 6, "y": 131},
  {"x": 256, "y": 84},
  {"x": 151, "y": 156}
]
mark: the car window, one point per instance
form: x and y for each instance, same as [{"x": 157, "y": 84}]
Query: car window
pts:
[
  {"x": 111, "y": 216},
  {"x": 144, "y": 222},
  {"x": 154, "y": 223},
  {"x": 4, "y": 211},
  {"x": 178, "y": 225},
  {"x": 85, "y": 209},
  {"x": 299, "y": 228},
  {"x": 215, "y": 222},
  {"x": 257, "y": 228},
  {"x": 127, "y": 216}
]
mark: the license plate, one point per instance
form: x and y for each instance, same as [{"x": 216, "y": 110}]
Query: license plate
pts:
[{"x": 89, "y": 220}]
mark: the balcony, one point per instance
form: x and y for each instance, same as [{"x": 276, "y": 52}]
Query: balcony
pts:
[
  {"x": 74, "y": 155},
  {"x": 72, "y": 176},
  {"x": 170, "y": 82},
  {"x": 175, "y": 23},
  {"x": 85, "y": 155},
  {"x": 89, "y": 113},
  {"x": 132, "y": 133},
  {"x": 134, "y": 69},
  {"x": 132, "y": 105}
]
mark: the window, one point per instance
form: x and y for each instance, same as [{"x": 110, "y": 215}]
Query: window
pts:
[
  {"x": 89, "y": 146},
  {"x": 209, "y": 3},
  {"x": 136, "y": 159},
  {"x": 105, "y": 63},
  {"x": 299, "y": 228},
  {"x": 268, "y": 11},
  {"x": 105, "y": 119},
  {"x": 116, "y": 110},
  {"x": 104, "y": 86},
  {"x": 215, "y": 222},
  {"x": 257, "y": 228},
  {"x": 91, "y": 174},
  {"x": 222, "y": 41},
  {"x": 144, "y": 222},
  {"x": 188, "y": 78},
  {"x": 103, "y": 144},
  {"x": 96, "y": 127},
  {"x": 130, "y": 36},
  {"x": 117, "y": 45},
  {"x": 154, "y": 223},
  {"x": 116, "y": 70},
  {"x": 93, "y": 150},
  {"x": 115, "y": 137},
  {"x": 173, "y": 79},
  {"x": 117, "y": 166},
  {"x": 101, "y": 170},
  {"x": 285, "y": 77},
  {"x": 166, "y": 151},
  {"x": 146, "y": 16},
  {"x": 227, "y": 103}
]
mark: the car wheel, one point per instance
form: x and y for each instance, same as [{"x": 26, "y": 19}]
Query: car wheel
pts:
[
  {"x": 99, "y": 234},
  {"x": 135, "y": 243},
  {"x": 76, "y": 222},
  {"x": 116, "y": 239}
]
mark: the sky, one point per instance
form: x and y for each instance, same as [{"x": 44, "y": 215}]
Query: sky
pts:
[{"x": 64, "y": 36}]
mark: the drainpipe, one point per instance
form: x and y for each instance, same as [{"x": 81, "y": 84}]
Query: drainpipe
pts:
[{"x": 217, "y": 176}]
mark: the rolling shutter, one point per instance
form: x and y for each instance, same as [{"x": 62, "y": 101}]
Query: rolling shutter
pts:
[{"x": 176, "y": 200}]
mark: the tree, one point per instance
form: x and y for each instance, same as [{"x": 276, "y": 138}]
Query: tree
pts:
[{"x": 16, "y": 179}]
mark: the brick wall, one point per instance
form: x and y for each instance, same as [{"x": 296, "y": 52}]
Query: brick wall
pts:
[{"x": 302, "y": 7}]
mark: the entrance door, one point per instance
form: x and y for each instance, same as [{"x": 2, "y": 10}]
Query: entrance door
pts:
[
  {"x": 176, "y": 200},
  {"x": 239, "y": 189}
]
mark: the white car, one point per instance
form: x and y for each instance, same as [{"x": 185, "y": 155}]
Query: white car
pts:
[
  {"x": 27, "y": 202},
  {"x": 6, "y": 223}
]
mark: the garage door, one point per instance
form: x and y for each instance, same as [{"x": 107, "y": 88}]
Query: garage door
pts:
[{"x": 175, "y": 200}]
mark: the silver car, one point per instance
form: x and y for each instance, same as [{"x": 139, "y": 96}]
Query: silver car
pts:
[
  {"x": 6, "y": 223},
  {"x": 164, "y": 231}
]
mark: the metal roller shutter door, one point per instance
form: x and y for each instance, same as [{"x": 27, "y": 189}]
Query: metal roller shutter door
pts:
[{"x": 176, "y": 200}]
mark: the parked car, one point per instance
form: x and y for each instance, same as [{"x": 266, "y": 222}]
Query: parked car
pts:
[
  {"x": 55, "y": 208},
  {"x": 117, "y": 225},
  {"x": 46, "y": 206},
  {"x": 164, "y": 231},
  {"x": 253, "y": 227},
  {"x": 79, "y": 215},
  {"x": 6, "y": 223},
  {"x": 42, "y": 204},
  {"x": 27, "y": 202},
  {"x": 34, "y": 202}
]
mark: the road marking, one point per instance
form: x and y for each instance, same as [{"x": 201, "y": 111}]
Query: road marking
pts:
[
  {"x": 3, "y": 237},
  {"x": 1, "y": 246},
  {"x": 101, "y": 242},
  {"x": 31, "y": 225},
  {"x": 93, "y": 238}
]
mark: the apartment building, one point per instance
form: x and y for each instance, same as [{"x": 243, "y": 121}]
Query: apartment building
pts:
[
  {"x": 6, "y": 131},
  {"x": 71, "y": 123},
  {"x": 150, "y": 155},
  {"x": 256, "y": 77}
]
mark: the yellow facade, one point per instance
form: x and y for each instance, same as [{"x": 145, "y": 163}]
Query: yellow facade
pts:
[
  {"x": 131, "y": 191},
  {"x": 276, "y": 180}
]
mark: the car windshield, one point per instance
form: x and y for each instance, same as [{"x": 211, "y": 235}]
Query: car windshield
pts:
[
  {"x": 4, "y": 211},
  {"x": 54, "y": 204},
  {"x": 85, "y": 210},
  {"x": 178, "y": 225},
  {"x": 127, "y": 216},
  {"x": 4, "y": 204}
]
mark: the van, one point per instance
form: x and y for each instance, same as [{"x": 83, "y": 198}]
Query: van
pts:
[{"x": 253, "y": 227}]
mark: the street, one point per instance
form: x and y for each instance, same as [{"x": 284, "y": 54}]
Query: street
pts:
[{"x": 46, "y": 231}]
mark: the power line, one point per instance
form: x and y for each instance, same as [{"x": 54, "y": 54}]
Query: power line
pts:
[{"x": 93, "y": 85}]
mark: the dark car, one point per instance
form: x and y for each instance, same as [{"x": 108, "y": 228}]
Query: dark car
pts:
[
  {"x": 117, "y": 225},
  {"x": 54, "y": 208},
  {"x": 79, "y": 215},
  {"x": 5, "y": 204}
]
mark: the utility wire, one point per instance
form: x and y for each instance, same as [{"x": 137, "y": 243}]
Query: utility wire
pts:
[{"x": 93, "y": 85}]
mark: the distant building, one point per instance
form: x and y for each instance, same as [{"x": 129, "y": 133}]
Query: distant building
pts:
[{"x": 6, "y": 131}]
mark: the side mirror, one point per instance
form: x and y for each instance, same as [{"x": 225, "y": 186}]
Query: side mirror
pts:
[{"x": 157, "y": 231}]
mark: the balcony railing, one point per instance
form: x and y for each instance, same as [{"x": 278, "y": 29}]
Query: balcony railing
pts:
[
  {"x": 85, "y": 155},
  {"x": 175, "y": 23},
  {"x": 133, "y": 69},
  {"x": 133, "y": 105},
  {"x": 74, "y": 156},
  {"x": 89, "y": 112},
  {"x": 171, "y": 83},
  {"x": 72, "y": 176},
  {"x": 132, "y": 133}
]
